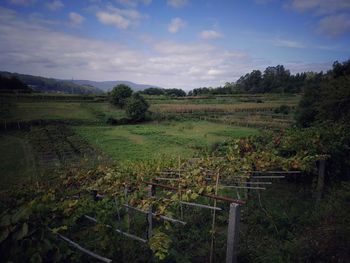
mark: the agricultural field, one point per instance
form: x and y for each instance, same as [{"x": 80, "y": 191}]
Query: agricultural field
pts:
[
  {"x": 151, "y": 140},
  {"x": 17, "y": 160},
  {"x": 53, "y": 110},
  {"x": 44, "y": 149}
]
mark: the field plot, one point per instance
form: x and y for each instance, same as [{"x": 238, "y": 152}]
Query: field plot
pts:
[
  {"x": 259, "y": 111},
  {"x": 208, "y": 108},
  {"x": 17, "y": 160},
  {"x": 53, "y": 110},
  {"x": 226, "y": 99},
  {"x": 148, "y": 141},
  {"x": 38, "y": 154}
]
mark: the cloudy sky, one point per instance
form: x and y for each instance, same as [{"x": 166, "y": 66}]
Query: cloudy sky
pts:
[{"x": 171, "y": 43}]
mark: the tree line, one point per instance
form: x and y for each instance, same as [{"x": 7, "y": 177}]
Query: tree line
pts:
[
  {"x": 49, "y": 85},
  {"x": 166, "y": 92},
  {"x": 13, "y": 84},
  {"x": 275, "y": 79}
]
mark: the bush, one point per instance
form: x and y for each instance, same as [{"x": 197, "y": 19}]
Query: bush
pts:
[
  {"x": 120, "y": 94},
  {"x": 136, "y": 107},
  {"x": 284, "y": 109}
]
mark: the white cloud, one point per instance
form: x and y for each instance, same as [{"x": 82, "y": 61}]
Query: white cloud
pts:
[
  {"x": 210, "y": 34},
  {"x": 22, "y": 2},
  {"x": 334, "y": 25},
  {"x": 177, "y": 3},
  {"x": 279, "y": 42},
  {"x": 175, "y": 25},
  {"x": 133, "y": 3},
  {"x": 163, "y": 63},
  {"x": 121, "y": 18},
  {"x": 66, "y": 56},
  {"x": 55, "y": 5},
  {"x": 76, "y": 19},
  {"x": 320, "y": 7}
]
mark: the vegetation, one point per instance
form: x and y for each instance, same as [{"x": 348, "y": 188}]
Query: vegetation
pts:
[
  {"x": 120, "y": 94},
  {"x": 166, "y": 92},
  {"x": 136, "y": 107},
  {"x": 57, "y": 176},
  {"x": 273, "y": 80},
  {"x": 51, "y": 85},
  {"x": 151, "y": 141},
  {"x": 328, "y": 99},
  {"x": 13, "y": 84}
]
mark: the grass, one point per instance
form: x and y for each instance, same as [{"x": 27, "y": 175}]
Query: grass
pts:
[
  {"x": 205, "y": 108},
  {"x": 152, "y": 140},
  {"x": 17, "y": 160},
  {"x": 52, "y": 110}
]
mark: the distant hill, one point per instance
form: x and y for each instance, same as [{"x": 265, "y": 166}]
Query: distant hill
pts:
[
  {"x": 108, "y": 85},
  {"x": 52, "y": 85}
]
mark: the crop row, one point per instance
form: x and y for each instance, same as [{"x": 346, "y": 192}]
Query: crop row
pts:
[{"x": 192, "y": 108}]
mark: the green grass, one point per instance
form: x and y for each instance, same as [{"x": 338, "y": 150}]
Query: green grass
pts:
[
  {"x": 17, "y": 161},
  {"x": 152, "y": 140},
  {"x": 51, "y": 110}
]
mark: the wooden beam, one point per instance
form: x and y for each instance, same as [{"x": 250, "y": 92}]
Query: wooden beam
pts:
[
  {"x": 84, "y": 250},
  {"x": 215, "y": 197}
]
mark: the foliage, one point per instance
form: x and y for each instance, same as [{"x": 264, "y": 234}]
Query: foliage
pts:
[
  {"x": 166, "y": 92},
  {"x": 327, "y": 98},
  {"x": 284, "y": 229},
  {"x": 284, "y": 109},
  {"x": 52, "y": 85},
  {"x": 153, "y": 91},
  {"x": 120, "y": 94},
  {"x": 56, "y": 207},
  {"x": 136, "y": 107},
  {"x": 273, "y": 80},
  {"x": 13, "y": 84}
]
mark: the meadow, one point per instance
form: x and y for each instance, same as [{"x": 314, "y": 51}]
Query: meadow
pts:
[
  {"x": 176, "y": 127},
  {"x": 76, "y": 122},
  {"x": 165, "y": 139},
  {"x": 60, "y": 151}
]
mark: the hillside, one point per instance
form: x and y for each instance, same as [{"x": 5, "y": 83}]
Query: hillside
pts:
[
  {"x": 51, "y": 85},
  {"x": 108, "y": 85}
]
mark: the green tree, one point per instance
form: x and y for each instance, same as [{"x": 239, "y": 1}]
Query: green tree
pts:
[
  {"x": 326, "y": 97},
  {"x": 120, "y": 94},
  {"x": 136, "y": 107}
]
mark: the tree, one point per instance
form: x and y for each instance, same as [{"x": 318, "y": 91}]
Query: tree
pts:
[
  {"x": 136, "y": 107},
  {"x": 120, "y": 94},
  {"x": 153, "y": 91},
  {"x": 326, "y": 97}
]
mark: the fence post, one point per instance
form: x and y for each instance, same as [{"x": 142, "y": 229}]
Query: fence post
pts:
[
  {"x": 233, "y": 233},
  {"x": 151, "y": 193},
  {"x": 320, "y": 180},
  {"x": 129, "y": 212}
]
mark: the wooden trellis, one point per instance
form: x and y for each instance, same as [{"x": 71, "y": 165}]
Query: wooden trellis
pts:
[{"x": 234, "y": 210}]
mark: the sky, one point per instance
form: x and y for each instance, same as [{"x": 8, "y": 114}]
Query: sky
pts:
[{"x": 171, "y": 43}]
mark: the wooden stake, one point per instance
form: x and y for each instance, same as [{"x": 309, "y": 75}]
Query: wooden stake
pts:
[
  {"x": 320, "y": 180},
  {"x": 84, "y": 250},
  {"x": 233, "y": 233}
]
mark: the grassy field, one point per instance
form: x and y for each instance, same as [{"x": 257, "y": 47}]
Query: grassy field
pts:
[
  {"x": 148, "y": 141},
  {"x": 52, "y": 110},
  {"x": 200, "y": 123}
]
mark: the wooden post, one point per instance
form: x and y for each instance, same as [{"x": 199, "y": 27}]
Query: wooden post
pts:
[
  {"x": 129, "y": 213},
  {"x": 151, "y": 193},
  {"x": 320, "y": 180},
  {"x": 233, "y": 233}
]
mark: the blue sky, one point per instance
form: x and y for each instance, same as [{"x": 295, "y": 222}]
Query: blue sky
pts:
[{"x": 171, "y": 43}]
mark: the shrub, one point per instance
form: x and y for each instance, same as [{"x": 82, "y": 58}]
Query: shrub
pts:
[
  {"x": 120, "y": 94},
  {"x": 136, "y": 107}
]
